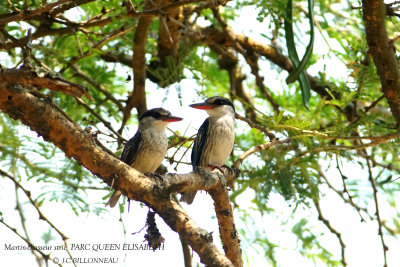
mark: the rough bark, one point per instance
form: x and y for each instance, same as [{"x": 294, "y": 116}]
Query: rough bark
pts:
[
  {"x": 227, "y": 229},
  {"x": 383, "y": 52},
  {"x": 169, "y": 34},
  {"x": 42, "y": 79},
  {"x": 138, "y": 96}
]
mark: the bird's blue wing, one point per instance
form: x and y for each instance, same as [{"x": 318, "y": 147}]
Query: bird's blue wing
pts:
[
  {"x": 200, "y": 143},
  {"x": 131, "y": 149}
]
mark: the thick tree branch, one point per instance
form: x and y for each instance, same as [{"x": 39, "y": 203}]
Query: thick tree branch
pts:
[
  {"x": 42, "y": 79},
  {"x": 169, "y": 34},
  {"x": 227, "y": 229},
  {"x": 137, "y": 98},
  {"x": 383, "y": 52},
  {"x": 251, "y": 59},
  {"x": 27, "y": 14},
  {"x": 54, "y": 127},
  {"x": 267, "y": 51}
]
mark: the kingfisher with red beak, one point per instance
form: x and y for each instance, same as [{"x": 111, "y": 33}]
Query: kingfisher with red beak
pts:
[
  {"x": 215, "y": 138},
  {"x": 147, "y": 148}
]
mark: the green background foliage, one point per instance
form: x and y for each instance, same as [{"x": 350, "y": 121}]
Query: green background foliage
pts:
[{"x": 295, "y": 171}]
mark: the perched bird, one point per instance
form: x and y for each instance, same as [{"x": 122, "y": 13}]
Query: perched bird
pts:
[
  {"x": 215, "y": 138},
  {"x": 147, "y": 148}
]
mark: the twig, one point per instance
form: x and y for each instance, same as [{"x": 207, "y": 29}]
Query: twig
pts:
[
  {"x": 333, "y": 230},
  {"x": 257, "y": 148},
  {"x": 254, "y": 125},
  {"x": 23, "y": 223},
  {"x": 13, "y": 6},
  {"x": 48, "y": 172},
  {"x": 105, "y": 123},
  {"x": 162, "y": 9},
  {"x": 46, "y": 257},
  {"x": 114, "y": 34},
  {"x": 250, "y": 58},
  {"x": 376, "y": 140},
  {"x": 378, "y": 216},
  {"x": 373, "y": 104},
  {"x": 26, "y": 14},
  {"x": 181, "y": 141},
  {"x": 344, "y": 178},
  {"x": 41, "y": 215},
  {"x": 97, "y": 85},
  {"x": 355, "y": 206}
]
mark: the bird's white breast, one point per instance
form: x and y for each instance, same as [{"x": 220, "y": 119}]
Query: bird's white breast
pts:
[
  {"x": 221, "y": 137},
  {"x": 152, "y": 151}
]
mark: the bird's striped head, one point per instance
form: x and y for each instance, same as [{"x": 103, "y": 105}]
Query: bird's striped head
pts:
[
  {"x": 158, "y": 118},
  {"x": 216, "y": 106}
]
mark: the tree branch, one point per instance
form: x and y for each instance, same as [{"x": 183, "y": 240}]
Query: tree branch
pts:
[
  {"x": 46, "y": 257},
  {"x": 41, "y": 215},
  {"x": 257, "y": 148},
  {"x": 27, "y": 14},
  {"x": 251, "y": 59},
  {"x": 42, "y": 79},
  {"x": 79, "y": 72},
  {"x": 138, "y": 96},
  {"x": 227, "y": 229},
  {"x": 54, "y": 127},
  {"x": 267, "y": 51},
  {"x": 18, "y": 207},
  {"x": 114, "y": 34},
  {"x": 333, "y": 231},
  {"x": 346, "y": 191},
  {"x": 377, "y": 213},
  {"x": 383, "y": 52}
]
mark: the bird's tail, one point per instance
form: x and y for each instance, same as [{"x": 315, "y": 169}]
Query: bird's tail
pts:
[
  {"x": 114, "y": 199},
  {"x": 188, "y": 197}
]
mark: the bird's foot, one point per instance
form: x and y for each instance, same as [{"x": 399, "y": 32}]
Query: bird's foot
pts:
[
  {"x": 231, "y": 170},
  {"x": 221, "y": 168},
  {"x": 213, "y": 167}
]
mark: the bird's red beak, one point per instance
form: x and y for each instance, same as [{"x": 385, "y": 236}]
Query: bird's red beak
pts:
[
  {"x": 202, "y": 106},
  {"x": 172, "y": 119}
]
